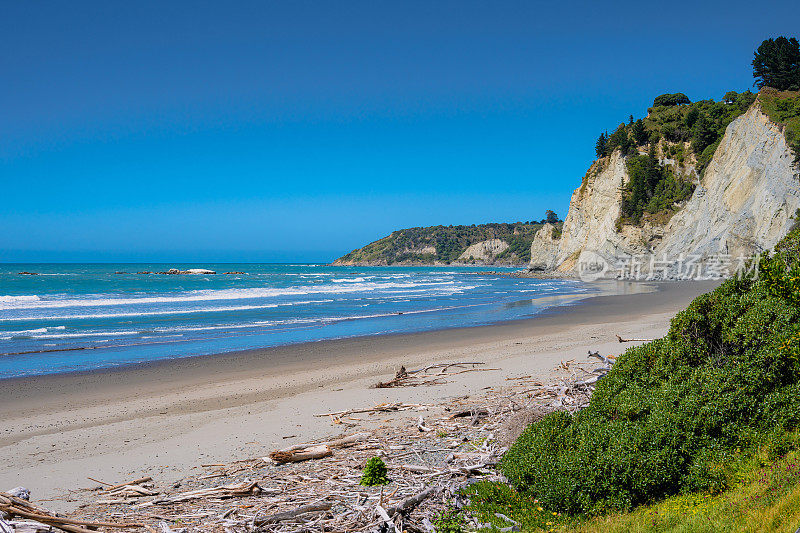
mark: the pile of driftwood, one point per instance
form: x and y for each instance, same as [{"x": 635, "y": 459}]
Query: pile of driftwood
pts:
[
  {"x": 430, "y": 375},
  {"x": 18, "y": 515},
  {"x": 315, "y": 486}
]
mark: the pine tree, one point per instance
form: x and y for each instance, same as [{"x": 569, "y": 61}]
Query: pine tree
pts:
[
  {"x": 600, "y": 146},
  {"x": 640, "y": 135},
  {"x": 776, "y": 64}
]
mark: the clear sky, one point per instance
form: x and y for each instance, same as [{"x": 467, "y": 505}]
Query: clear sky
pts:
[{"x": 297, "y": 131}]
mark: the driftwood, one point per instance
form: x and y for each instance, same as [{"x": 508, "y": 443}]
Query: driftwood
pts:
[
  {"x": 14, "y": 506},
  {"x": 380, "y": 408},
  {"x": 295, "y": 456},
  {"x": 335, "y": 443},
  {"x": 620, "y": 339},
  {"x": 294, "y": 513},
  {"x": 121, "y": 485},
  {"x": 410, "y": 503},
  {"x": 424, "y": 376},
  {"x": 429, "y": 461},
  {"x": 251, "y": 488},
  {"x": 473, "y": 412}
]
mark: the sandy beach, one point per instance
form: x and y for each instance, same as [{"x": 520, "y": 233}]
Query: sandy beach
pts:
[{"x": 164, "y": 419}]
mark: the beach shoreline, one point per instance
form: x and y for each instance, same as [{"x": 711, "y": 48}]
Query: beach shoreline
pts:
[{"x": 165, "y": 417}]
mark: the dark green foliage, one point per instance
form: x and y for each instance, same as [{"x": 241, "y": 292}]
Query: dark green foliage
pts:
[
  {"x": 671, "y": 100},
  {"x": 374, "y": 473},
  {"x": 640, "y": 134},
  {"x": 450, "y": 521},
  {"x": 550, "y": 217},
  {"x": 448, "y": 243},
  {"x": 704, "y": 133},
  {"x": 776, "y": 64},
  {"x": 784, "y": 108},
  {"x": 652, "y": 188},
  {"x": 702, "y": 123},
  {"x": 487, "y": 500},
  {"x": 619, "y": 140},
  {"x": 691, "y": 117},
  {"x": 600, "y": 146},
  {"x": 673, "y": 412}
]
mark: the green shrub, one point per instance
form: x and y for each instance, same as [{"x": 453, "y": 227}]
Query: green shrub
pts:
[
  {"x": 450, "y": 521},
  {"x": 374, "y": 473},
  {"x": 670, "y": 415},
  {"x": 784, "y": 108},
  {"x": 671, "y": 100}
]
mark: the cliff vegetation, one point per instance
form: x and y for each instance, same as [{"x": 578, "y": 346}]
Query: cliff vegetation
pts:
[
  {"x": 683, "y": 419},
  {"x": 507, "y": 243}
]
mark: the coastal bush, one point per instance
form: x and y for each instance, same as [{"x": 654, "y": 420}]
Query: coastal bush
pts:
[
  {"x": 671, "y": 100},
  {"x": 784, "y": 108},
  {"x": 776, "y": 63},
  {"x": 451, "y": 520},
  {"x": 652, "y": 188},
  {"x": 444, "y": 244},
  {"x": 673, "y": 412},
  {"x": 374, "y": 473}
]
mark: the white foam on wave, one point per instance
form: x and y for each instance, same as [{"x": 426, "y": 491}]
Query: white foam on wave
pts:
[
  {"x": 161, "y": 313},
  {"x": 8, "y": 300},
  {"x": 30, "y": 332},
  {"x": 89, "y": 334},
  {"x": 141, "y": 313},
  {"x": 206, "y": 295}
]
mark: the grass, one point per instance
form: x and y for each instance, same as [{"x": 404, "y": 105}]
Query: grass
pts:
[
  {"x": 783, "y": 108},
  {"x": 696, "y": 431},
  {"x": 764, "y": 497}
]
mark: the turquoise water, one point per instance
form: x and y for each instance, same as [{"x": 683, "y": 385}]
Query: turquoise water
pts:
[{"x": 86, "y": 316}]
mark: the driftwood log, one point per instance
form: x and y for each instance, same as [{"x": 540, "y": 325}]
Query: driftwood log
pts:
[
  {"x": 335, "y": 443},
  {"x": 289, "y": 515},
  {"x": 13, "y": 506},
  {"x": 295, "y": 456},
  {"x": 620, "y": 339}
]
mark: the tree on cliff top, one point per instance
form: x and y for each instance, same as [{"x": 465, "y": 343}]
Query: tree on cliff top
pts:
[
  {"x": 671, "y": 99},
  {"x": 776, "y": 64}
]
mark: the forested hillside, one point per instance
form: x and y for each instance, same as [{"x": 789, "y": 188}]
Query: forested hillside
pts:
[{"x": 494, "y": 243}]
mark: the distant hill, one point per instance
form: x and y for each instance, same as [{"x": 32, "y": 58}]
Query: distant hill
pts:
[{"x": 484, "y": 244}]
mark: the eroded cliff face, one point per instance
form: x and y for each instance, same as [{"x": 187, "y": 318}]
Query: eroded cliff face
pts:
[
  {"x": 742, "y": 205},
  {"x": 544, "y": 248},
  {"x": 746, "y": 198},
  {"x": 484, "y": 250}
]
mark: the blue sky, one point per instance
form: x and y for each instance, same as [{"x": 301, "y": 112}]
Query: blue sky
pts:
[{"x": 297, "y": 131}]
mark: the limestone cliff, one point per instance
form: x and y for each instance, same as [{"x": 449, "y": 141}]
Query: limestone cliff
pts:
[
  {"x": 484, "y": 251},
  {"x": 742, "y": 205},
  {"x": 544, "y": 248}
]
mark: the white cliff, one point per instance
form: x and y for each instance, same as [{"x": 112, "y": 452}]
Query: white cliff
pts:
[
  {"x": 746, "y": 197},
  {"x": 484, "y": 250},
  {"x": 741, "y": 206},
  {"x": 544, "y": 248}
]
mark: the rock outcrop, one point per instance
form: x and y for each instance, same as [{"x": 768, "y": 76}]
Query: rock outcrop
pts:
[
  {"x": 744, "y": 202},
  {"x": 741, "y": 206},
  {"x": 544, "y": 248},
  {"x": 484, "y": 250}
]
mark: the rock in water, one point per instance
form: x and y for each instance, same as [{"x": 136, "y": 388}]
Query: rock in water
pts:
[{"x": 198, "y": 271}]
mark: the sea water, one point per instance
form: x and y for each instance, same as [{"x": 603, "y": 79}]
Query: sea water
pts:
[{"x": 72, "y": 317}]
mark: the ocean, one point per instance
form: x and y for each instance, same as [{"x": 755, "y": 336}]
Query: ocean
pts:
[{"x": 74, "y": 317}]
